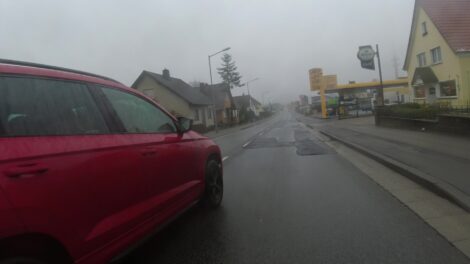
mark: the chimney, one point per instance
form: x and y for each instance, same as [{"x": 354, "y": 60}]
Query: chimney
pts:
[{"x": 166, "y": 74}]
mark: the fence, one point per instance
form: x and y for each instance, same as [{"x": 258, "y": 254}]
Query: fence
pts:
[
  {"x": 417, "y": 111},
  {"x": 454, "y": 120}
]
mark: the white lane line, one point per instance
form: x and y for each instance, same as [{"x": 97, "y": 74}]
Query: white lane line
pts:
[
  {"x": 225, "y": 158},
  {"x": 246, "y": 144}
]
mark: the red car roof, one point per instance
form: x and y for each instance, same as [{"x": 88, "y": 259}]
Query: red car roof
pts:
[
  {"x": 58, "y": 74},
  {"x": 67, "y": 74}
]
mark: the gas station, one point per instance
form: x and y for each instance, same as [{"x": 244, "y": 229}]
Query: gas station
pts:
[{"x": 356, "y": 99}]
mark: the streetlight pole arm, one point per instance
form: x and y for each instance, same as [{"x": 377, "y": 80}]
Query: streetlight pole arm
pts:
[{"x": 219, "y": 52}]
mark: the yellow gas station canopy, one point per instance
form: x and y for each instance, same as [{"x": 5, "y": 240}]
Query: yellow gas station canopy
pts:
[{"x": 370, "y": 85}]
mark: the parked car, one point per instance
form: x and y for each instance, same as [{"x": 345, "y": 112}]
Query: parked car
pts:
[{"x": 89, "y": 167}]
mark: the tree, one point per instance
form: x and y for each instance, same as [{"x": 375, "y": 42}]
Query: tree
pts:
[{"x": 228, "y": 72}]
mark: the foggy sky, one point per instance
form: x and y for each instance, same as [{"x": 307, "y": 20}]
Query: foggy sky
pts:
[{"x": 276, "y": 41}]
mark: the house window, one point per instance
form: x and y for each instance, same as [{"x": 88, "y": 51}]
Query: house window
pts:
[
  {"x": 150, "y": 93},
  {"x": 196, "y": 114},
  {"x": 422, "y": 59},
  {"x": 209, "y": 113},
  {"x": 436, "y": 55},
  {"x": 420, "y": 92},
  {"x": 424, "y": 28},
  {"x": 448, "y": 89},
  {"x": 432, "y": 91}
]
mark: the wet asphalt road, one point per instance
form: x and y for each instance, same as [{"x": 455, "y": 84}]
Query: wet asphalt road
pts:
[{"x": 291, "y": 199}]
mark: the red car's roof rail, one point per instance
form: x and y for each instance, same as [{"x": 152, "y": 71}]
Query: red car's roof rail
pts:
[{"x": 37, "y": 65}]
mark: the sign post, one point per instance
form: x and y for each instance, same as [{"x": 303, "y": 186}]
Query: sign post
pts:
[
  {"x": 317, "y": 83},
  {"x": 321, "y": 83},
  {"x": 366, "y": 55},
  {"x": 380, "y": 93},
  {"x": 324, "y": 112}
]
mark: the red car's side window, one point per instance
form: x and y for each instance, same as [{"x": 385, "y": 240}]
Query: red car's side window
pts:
[
  {"x": 44, "y": 107},
  {"x": 138, "y": 115}
]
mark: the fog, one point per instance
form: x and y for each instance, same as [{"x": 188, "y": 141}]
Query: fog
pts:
[{"x": 276, "y": 41}]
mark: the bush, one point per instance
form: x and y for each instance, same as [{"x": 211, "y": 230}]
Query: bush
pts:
[
  {"x": 410, "y": 111},
  {"x": 408, "y": 105}
]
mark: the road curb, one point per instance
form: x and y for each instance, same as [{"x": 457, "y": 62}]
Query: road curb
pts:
[{"x": 432, "y": 183}]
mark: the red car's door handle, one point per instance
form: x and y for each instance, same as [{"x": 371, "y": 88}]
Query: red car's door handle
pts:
[
  {"x": 149, "y": 151},
  {"x": 25, "y": 171}
]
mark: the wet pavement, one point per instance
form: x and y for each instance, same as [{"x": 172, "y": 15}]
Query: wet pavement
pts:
[
  {"x": 444, "y": 159},
  {"x": 289, "y": 198}
]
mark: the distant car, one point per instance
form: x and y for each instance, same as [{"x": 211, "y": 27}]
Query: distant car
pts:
[{"x": 89, "y": 167}]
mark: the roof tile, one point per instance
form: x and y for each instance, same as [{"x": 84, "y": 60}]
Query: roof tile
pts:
[{"x": 452, "y": 19}]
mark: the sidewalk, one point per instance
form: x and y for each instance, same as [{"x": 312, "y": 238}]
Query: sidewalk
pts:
[
  {"x": 440, "y": 162},
  {"x": 447, "y": 144}
]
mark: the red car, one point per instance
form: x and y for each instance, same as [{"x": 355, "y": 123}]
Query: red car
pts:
[{"x": 89, "y": 167}]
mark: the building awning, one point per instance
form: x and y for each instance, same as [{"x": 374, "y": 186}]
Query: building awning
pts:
[{"x": 424, "y": 75}]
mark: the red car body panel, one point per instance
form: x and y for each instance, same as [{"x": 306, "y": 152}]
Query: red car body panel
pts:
[
  {"x": 10, "y": 223},
  {"x": 97, "y": 194}
]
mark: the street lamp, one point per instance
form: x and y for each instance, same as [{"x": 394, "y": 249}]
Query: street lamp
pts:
[
  {"x": 264, "y": 96},
  {"x": 248, "y": 88},
  {"x": 214, "y": 113}
]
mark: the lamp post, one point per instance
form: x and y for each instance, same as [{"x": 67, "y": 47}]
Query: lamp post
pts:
[
  {"x": 214, "y": 112},
  {"x": 248, "y": 88},
  {"x": 264, "y": 96}
]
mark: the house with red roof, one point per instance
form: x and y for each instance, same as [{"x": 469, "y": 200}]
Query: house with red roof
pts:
[{"x": 438, "y": 56}]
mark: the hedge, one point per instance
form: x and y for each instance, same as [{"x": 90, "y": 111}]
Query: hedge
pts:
[{"x": 410, "y": 111}]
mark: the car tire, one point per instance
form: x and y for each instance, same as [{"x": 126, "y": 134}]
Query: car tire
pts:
[
  {"x": 21, "y": 260},
  {"x": 214, "y": 186}
]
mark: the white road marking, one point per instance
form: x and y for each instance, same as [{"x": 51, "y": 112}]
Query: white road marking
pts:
[
  {"x": 246, "y": 145},
  {"x": 225, "y": 158}
]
